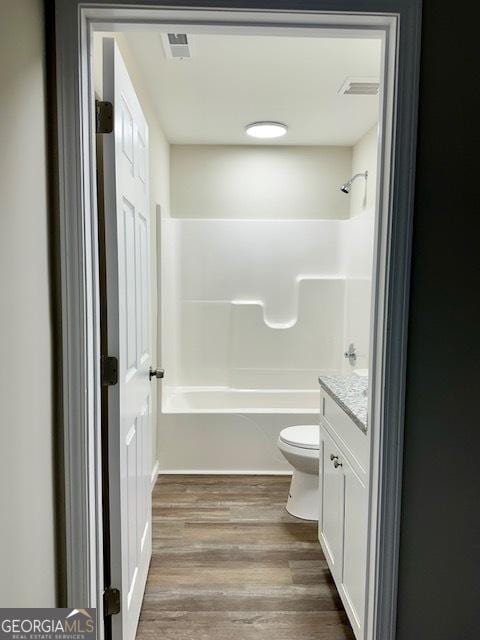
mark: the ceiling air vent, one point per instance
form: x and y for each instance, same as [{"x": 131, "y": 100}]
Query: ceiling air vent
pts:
[
  {"x": 176, "y": 45},
  {"x": 360, "y": 87}
]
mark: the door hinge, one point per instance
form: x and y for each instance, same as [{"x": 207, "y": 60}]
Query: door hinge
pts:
[
  {"x": 109, "y": 371},
  {"x": 111, "y": 601},
  {"x": 103, "y": 117}
]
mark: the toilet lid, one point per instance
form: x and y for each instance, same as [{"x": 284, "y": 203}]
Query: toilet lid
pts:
[{"x": 306, "y": 436}]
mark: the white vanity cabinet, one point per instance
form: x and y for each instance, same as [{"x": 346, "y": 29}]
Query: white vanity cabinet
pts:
[
  {"x": 331, "y": 508},
  {"x": 343, "y": 507}
]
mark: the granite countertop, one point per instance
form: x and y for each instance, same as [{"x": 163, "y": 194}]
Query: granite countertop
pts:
[{"x": 349, "y": 392}]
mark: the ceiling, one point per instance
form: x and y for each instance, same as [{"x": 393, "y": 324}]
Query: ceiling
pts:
[{"x": 232, "y": 80}]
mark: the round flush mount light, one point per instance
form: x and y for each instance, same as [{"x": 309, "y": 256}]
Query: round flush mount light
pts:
[{"x": 266, "y": 129}]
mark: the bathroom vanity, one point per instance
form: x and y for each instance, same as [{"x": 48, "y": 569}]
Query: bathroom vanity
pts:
[{"x": 343, "y": 477}]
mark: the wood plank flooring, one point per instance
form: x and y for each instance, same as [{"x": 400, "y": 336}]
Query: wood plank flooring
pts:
[{"x": 229, "y": 563}]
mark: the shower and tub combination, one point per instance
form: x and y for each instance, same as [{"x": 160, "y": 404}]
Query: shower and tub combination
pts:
[{"x": 253, "y": 310}]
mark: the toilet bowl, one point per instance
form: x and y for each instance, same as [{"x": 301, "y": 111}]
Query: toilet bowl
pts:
[{"x": 300, "y": 446}]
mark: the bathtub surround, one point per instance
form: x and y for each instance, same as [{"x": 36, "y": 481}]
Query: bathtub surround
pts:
[{"x": 259, "y": 304}]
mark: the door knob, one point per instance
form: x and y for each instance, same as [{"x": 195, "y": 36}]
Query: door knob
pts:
[
  {"x": 337, "y": 464},
  {"x": 333, "y": 457},
  {"x": 156, "y": 373}
]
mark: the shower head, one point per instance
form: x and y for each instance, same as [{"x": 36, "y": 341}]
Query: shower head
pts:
[{"x": 345, "y": 188}]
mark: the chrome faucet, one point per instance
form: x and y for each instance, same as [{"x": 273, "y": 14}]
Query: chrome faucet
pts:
[{"x": 351, "y": 354}]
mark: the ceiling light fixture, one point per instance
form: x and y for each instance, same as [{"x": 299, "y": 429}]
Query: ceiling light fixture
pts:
[{"x": 266, "y": 129}]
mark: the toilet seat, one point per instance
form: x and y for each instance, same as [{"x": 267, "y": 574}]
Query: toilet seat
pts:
[{"x": 303, "y": 436}]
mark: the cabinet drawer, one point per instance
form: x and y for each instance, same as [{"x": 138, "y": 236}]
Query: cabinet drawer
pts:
[{"x": 348, "y": 435}]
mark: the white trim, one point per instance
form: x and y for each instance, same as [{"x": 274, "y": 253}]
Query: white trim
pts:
[
  {"x": 79, "y": 294},
  {"x": 79, "y": 269},
  {"x": 154, "y": 474},
  {"x": 390, "y": 327}
]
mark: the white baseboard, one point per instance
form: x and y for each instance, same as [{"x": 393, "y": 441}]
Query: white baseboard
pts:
[
  {"x": 224, "y": 472},
  {"x": 154, "y": 474}
]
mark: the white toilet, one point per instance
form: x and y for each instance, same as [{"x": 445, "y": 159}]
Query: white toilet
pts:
[{"x": 300, "y": 445}]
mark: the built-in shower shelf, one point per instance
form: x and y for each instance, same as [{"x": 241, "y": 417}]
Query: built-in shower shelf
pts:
[{"x": 293, "y": 319}]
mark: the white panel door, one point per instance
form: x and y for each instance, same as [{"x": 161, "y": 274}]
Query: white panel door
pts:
[{"x": 128, "y": 307}]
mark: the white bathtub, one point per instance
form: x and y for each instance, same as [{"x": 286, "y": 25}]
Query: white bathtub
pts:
[{"x": 229, "y": 400}]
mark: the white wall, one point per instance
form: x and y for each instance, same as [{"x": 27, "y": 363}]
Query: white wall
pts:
[
  {"x": 215, "y": 181},
  {"x": 159, "y": 191},
  {"x": 27, "y": 550},
  {"x": 358, "y": 248}
]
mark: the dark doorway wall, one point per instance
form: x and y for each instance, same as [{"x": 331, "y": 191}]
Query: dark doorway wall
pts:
[{"x": 439, "y": 591}]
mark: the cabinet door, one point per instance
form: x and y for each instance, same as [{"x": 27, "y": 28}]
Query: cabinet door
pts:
[
  {"x": 354, "y": 565},
  {"x": 331, "y": 507}
]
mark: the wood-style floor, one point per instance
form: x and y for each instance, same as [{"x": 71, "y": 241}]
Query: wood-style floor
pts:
[{"x": 229, "y": 563}]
